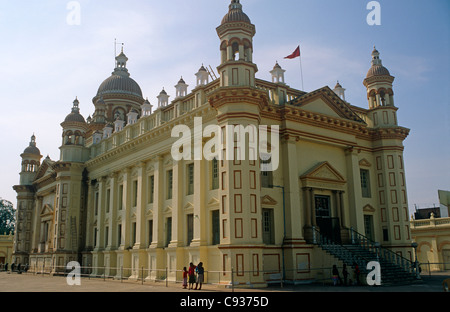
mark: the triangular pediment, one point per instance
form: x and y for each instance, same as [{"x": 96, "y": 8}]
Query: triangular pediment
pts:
[
  {"x": 188, "y": 206},
  {"x": 368, "y": 208},
  {"x": 213, "y": 202},
  {"x": 45, "y": 169},
  {"x": 323, "y": 172},
  {"x": 267, "y": 200},
  {"x": 365, "y": 163},
  {"x": 325, "y": 102},
  {"x": 46, "y": 210}
]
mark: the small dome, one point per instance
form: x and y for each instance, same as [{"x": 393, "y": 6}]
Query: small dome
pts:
[
  {"x": 235, "y": 14},
  {"x": 74, "y": 117},
  {"x": 378, "y": 70},
  {"x": 32, "y": 149}
]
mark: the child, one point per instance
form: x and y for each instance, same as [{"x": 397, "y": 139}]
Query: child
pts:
[{"x": 185, "y": 277}]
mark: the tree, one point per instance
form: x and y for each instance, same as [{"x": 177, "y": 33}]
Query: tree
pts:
[{"x": 7, "y": 217}]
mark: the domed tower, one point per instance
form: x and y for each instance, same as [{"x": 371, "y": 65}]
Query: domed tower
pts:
[
  {"x": 380, "y": 93},
  {"x": 236, "y": 34},
  {"x": 117, "y": 96},
  {"x": 31, "y": 160},
  {"x": 389, "y": 168},
  {"x": 237, "y": 101},
  {"x": 73, "y": 147}
]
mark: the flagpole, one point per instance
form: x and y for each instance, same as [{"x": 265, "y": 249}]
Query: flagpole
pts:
[{"x": 301, "y": 71}]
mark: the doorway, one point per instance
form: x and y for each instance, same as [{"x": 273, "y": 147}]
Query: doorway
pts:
[
  {"x": 329, "y": 226},
  {"x": 368, "y": 227}
]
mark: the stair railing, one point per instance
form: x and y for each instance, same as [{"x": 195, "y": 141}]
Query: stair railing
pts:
[
  {"x": 382, "y": 252},
  {"x": 322, "y": 240}
]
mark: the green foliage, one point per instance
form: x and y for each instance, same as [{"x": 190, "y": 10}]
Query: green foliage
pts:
[{"x": 7, "y": 217}]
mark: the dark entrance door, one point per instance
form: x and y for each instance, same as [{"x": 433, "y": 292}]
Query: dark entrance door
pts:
[{"x": 329, "y": 227}]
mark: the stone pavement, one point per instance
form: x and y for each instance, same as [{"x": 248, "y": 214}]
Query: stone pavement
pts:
[{"x": 13, "y": 283}]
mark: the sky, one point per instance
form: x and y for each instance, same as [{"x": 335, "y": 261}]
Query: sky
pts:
[{"x": 55, "y": 50}]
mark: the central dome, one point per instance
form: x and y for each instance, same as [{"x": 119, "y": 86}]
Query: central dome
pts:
[
  {"x": 120, "y": 81},
  {"x": 235, "y": 14},
  {"x": 119, "y": 84}
]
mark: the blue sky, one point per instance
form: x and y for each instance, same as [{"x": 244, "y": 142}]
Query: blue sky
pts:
[{"x": 46, "y": 63}]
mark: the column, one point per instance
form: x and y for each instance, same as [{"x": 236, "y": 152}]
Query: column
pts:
[
  {"x": 140, "y": 207},
  {"x": 293, "y": 214},
  {"x": 354, "y": 190},
  {"x": 177, "y": 197},
  {"x": 158, "y": 224},
  {"x": 307, "y": 207},
  {"x": 200, "y": 217},
  {"x": 313, "y": 207}
]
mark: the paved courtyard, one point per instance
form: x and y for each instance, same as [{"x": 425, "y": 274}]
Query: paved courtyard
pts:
[{"x": 44, "y": 283}]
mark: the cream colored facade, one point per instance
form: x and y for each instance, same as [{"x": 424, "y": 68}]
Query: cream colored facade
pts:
[
  {"x": 433, "y": 238},
  {"x": 117, "y": 198},
  {"x": 6, "y": 248}
]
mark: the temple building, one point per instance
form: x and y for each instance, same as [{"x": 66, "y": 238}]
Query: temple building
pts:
[{"x": 118, "y": 199}]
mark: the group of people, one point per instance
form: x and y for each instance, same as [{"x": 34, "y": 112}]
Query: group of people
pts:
[
  {"x": 194, "y": 275},
  {"x": 14, "y": 268},
  {"x": 337, "y": 278}
]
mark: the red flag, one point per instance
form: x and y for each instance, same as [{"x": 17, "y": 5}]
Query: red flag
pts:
[{"x": 295, "y": 54}]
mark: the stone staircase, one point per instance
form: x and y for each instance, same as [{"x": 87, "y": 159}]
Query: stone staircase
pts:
[{"x": 395, "y": 270}]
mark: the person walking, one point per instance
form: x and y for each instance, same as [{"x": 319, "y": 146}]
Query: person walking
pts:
[
  {"x": 200, "y": 275},
  {"x": 191, "y": 275},
  {"x": 185, "y": 277},
  {"x": 345, "y": 274},
  {"x": 356, "y": 272},
  {"x": 336, "y": 277}
]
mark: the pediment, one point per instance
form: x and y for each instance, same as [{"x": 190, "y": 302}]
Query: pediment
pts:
[
  {"x": 213, "y": 202},
  {"x": 188, "y": 206},
  {"x": 324, "y": 101},
  {"x": 323, "y": 176},
  {"x": 45, "y": 169},
  {"x": 365, "y": 163},
  {"x": 368, "y": 208},
  {"x": 324, "y": 171},
  {"x": 46, "y": 210},
  {"x": 267, "y": 200}
]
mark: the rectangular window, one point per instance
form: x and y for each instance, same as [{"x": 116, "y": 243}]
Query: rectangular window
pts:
[
  {"x": 119, "y": 234},
  {"x": 95, "y": 237},
  {"x": 168, "y": 231},
  {"x": 215, "y": 227},
  {"x": 365, "y": 183},
  {"x": 169, "y": 184},
  {"x": 133, "y": 233},
  {"x": 266, "y": 176},
  {"x": 108, "y": 199},
  {"x": 106, "y": 236},
  {"x": 96, "y": 203},
  {"x": 190, "y": 228},
  {"x": 135, "y": 192},
  {"x": 215, "y": 174},
  {"x": 151, "y": 191},
  {"x": 190, "y": 181},
  {"x": 268, "y": 227},
  {"x": 385, "y": 234},
  {"x": 120, "y": 197},
  {"x": 150, "y": 232}
]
